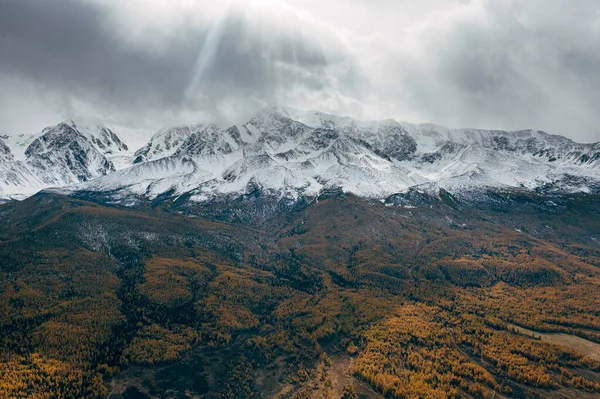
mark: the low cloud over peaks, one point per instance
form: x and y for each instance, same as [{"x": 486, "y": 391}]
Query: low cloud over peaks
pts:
[{"x": 142, "y": 65}]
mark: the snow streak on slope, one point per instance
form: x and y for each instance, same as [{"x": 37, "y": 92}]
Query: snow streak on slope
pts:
[
  {"x": 464, "y": 159},
  {"x": 61, "y": 155},
  {"x": 291, "y": 153},
  {"x": 106, "y": 142},
  {"x": 165, "y": 143}
]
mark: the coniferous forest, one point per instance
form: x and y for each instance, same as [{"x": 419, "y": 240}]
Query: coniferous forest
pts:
[{"x": 341, "y": 298}]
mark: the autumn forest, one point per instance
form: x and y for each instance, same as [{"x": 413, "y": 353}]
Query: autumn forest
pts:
[{"x": 338, "y": 298}]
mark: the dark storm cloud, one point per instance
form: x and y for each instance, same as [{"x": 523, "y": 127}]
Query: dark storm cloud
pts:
[
  {"x": 77, "y": 50},
  {"x": 68, "y": 45},
  {"x": 512, "y": 65},
  {"x": 503, "y": 64}
]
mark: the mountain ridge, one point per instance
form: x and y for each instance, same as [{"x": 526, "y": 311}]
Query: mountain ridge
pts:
[
  {"x": 60, "y": 155},
  {"x": 292, "y": 153}
]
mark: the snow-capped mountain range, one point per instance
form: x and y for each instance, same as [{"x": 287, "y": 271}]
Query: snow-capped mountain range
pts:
[
  {"x": 291, "y": 153},
  {"x": 60, "y": 155}
]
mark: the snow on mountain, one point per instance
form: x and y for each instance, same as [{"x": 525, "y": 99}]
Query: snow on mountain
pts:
[
  {"x": 292, "y": 153},
  {"x": 17, "y": 144},
  {"x": 106, "y": 142},
  {"x": 462, "y": 159},
  {"x": 16, "y": 179},
  {"x": 6, "y": 154},
  {"x": 61, "y": 155},
  {"x": 102, "y": 138},
  {"x": 165, "y": 143}
]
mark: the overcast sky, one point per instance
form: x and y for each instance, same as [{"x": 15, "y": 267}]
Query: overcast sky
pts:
[{"x": 139, "y": 65}]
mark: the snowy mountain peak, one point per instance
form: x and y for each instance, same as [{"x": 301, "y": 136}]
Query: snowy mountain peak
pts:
[
  {"x": 293, "y": 153},
  {"x": 211, "y": 140},
  {"x": 63, "y": 154},
  {"x": 165, "y": 143},
  {"x": 103, "y": 138},
  {"x": 53, "y": 138},
  {"x": 301, "y": 153},
  {"x": 66, "y": 154}
]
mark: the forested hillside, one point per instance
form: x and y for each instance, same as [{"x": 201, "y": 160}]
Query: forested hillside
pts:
[{"x": 341, "y": 297}]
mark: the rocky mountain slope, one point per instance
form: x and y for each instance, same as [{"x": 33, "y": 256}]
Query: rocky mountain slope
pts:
[
  {"x": 287, "y": 153},
  {"x": 61, "y": 155}
]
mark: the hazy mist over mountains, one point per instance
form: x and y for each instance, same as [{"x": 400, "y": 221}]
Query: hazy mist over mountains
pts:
[{"x": 506, "y": 64}]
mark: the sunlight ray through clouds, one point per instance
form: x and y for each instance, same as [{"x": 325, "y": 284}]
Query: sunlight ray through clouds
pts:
[{"x": 150, "y": 63}]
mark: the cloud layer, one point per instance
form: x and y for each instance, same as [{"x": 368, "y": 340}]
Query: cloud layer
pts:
[{"x": 140, "y": 65}]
